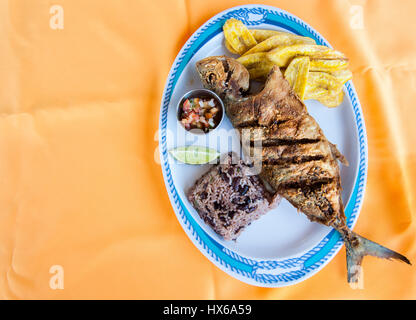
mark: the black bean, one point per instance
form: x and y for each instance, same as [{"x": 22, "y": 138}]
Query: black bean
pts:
[
  {"x": 203, "y": 195},
  {"x": 216, "y": 205},
  {"x": 243, "y": 190},
  {"x": 222, "y": 216},
  {"x": 235, "y": 183},
  {"x": 209, "y": 220},
  {"x": 224, "y": 176},
  {"x": 243, "y": 206},
  {"x": 239, "y": 228}
]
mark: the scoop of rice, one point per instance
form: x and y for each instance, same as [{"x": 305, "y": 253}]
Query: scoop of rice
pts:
[{"x": 228, "y": 198}]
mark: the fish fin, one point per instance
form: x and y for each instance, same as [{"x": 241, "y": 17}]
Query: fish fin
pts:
[{"x": 358, "y": 247}]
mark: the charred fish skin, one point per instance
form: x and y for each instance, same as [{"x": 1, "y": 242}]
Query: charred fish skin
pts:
[
  {"x": 298, "y": 161},
  {"x": 261, "y": 108}
]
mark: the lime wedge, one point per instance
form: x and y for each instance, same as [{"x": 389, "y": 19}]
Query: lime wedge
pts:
[{"x": 194, "y": 154}]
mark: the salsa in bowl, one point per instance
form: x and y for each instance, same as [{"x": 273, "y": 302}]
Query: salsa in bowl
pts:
[{"x": 200, "y": 111}]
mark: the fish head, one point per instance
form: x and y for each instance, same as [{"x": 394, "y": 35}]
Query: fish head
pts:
[{"x": 225, "y": 76}]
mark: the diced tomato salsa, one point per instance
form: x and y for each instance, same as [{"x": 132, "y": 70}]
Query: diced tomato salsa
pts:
[{"x": 200, "y": 113}]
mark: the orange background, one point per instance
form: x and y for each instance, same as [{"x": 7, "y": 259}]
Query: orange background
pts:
[{"x": 79, "y": 186}]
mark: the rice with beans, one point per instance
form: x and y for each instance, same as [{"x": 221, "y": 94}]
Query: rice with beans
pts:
[{"x": 228, "y": 198}]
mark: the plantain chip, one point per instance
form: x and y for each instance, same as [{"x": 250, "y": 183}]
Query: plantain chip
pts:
[
  {"x": 260, "y": 34},
  {"x": 333, "y": 99},
  {"x": 297, "y": 75},
  {"x": 229, "y": 48},
  {"x": 282, "y": 56},
  {"x": 329, "y": 98},
  {"x": 313, "y": 91},
  {"x": 281, "y": 39},
  {"x": 342, "y": 76},
  {"x": 253, "y": 59},
  {"x": 328, "y": 65},
  {"x": 324, "y": 80},
  {"x": 238, "y": 36},
  {"x": 260, "y": 71}
]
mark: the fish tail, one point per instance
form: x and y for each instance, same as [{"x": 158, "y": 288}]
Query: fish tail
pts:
[{"x": 358, "y": 247}]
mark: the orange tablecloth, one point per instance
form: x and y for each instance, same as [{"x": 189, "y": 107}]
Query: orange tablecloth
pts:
[{"x": 79, "y": 186}]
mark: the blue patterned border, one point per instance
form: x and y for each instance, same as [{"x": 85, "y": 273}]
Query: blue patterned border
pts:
[{"x": 270, "y": 273}]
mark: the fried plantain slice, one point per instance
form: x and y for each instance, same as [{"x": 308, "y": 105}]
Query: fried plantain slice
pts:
[
  {"x": 257, "y": 65},
  {"x": 260, "y": 71},
  {"x": 238, "y": 36},
  {"x": 281, "y": 39},
  {"x": 261, "y": 34},
  {"x": 324, "y": 80},
  {"x": 342, "y": 75},
  {"x": 332, "y": 99},
  {"x": 328, "y": 97},
  {"x": 229, "y": 48},
  {"x": 297, "y": 75},
  {"x": 253, "y": 59},
  {"x": 282, "y": 56},
  {"x": 328, "y": 65},
  {"x": 313, "y": 91}
]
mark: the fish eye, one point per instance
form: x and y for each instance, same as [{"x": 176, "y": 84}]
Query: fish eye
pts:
[{"x": 212, "y": 78}]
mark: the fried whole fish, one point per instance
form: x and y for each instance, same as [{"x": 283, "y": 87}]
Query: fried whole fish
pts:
[{"x": 298, "y": 161}]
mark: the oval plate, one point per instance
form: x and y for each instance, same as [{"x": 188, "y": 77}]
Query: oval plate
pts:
[{"x": 283, "y": 247}]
